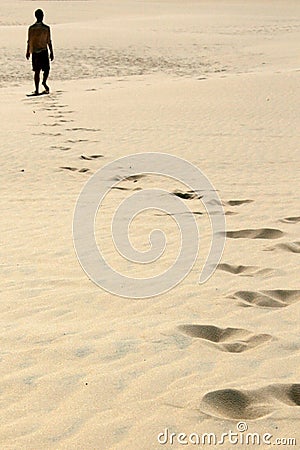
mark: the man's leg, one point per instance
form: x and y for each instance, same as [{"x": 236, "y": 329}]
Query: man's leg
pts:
[
  {"x": 37, "y": 80},
  {"x": 45, "y": 77}
]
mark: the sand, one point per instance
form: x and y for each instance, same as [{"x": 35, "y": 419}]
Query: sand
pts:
[{"x": 215, "y": 83}]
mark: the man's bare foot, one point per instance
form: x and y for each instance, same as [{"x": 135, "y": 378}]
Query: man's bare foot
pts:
[{"x": 47, "y": 89}]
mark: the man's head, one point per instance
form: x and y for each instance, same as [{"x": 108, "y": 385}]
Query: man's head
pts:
[{"x": 39, "y": 15}]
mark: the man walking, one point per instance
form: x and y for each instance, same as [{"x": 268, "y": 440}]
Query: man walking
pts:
[{"x": 39, "y": 40}]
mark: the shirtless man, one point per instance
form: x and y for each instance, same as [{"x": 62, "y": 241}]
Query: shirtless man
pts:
[{"x": 39, "y": 39}]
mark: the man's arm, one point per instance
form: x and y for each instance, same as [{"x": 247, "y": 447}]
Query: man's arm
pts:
[
  {"x": 28, "y": 47},
  {"x": 51, "y": 51},
  {"x": 50, "y": 47}
]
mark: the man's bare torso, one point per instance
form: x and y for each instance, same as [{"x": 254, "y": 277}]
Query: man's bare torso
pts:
[{"x": 38, "y": 37}]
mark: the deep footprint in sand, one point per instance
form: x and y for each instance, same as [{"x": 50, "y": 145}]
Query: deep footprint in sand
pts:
[
  {"x": 56, "y": 147},
  {"x": 90, "y": 157},
  {"x": 47, "y": 134},
  {"x": 250, "y": 404},
  {"x": 238, "y": 202},
  {"x": 247, "y": 271},
  {"x": 291, "y": 220},
  {"x": 277, "y": 298},
  {"x": 232, "y": 340},
  {"x": 82, "y": 129},
  {"x": 293, "y": 247},
  {"x": 134, "y": 178},
  {"x": 260, "y": 233},
  {"x": 55, "y": 124},
  {"x": 74, "y": 169},
  {"x": 187, "y": 195},
  {"x": 75, "y": 141},
  {"x": 234, "y": 404}
]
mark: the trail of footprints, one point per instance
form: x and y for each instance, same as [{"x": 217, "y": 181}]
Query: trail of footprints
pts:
[
  {"x": 224, "y": 403},
  {"x": 83, "y": 169},
  {"x": 256, "y": 403},
  {"x": 58, "y": 112}
]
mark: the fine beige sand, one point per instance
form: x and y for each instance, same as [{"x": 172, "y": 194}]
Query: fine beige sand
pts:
[{"x": 215, "y": 83}]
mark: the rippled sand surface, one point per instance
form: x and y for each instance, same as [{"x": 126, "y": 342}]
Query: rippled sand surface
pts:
[{"x": 215, "y": 83}]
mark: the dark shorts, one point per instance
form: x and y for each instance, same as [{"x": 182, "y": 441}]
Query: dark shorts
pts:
[{"x": 40, "y": 61}]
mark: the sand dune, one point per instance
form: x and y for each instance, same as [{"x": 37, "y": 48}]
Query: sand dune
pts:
[{"x": 215, "y": 83}]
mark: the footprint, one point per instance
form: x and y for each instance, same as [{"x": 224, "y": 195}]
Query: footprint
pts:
[
  {"x": 121, "y": 188},
  {"x": 234, "y": 404},
  {"x": 89, "y": 158},
  {"x": 82, "y": 129},
  {"x": 237, "y": 270},
  {"x": 196, "y": 213},
  {"x": 276, "y": 298},
  {"x": 46, "y": 134},
  {"x": 290, "y": 219},
  {"x": 293, "y": 247},
  {"x": 59, "y": 107},
  {"x": 59, "y": 113},
  {"x": 249, "y": 404},
  {"x": 246, "y": 271},
  {"x": 56, "y": 114},
  {"x": 73, "y": 169},
  {"x": 187, "y": 195},
  {"x": 260, "y": 233},
  {"x": 231, "y": 213},
  {"x": 238, "y": 202},
  {"x": 54, "y": 108},
  {"x": 134, "y": 178},
  {"x": 289, "y": 394},
  {"x": 233, "y": 340},
  {"x": 55, "y": 147}
]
